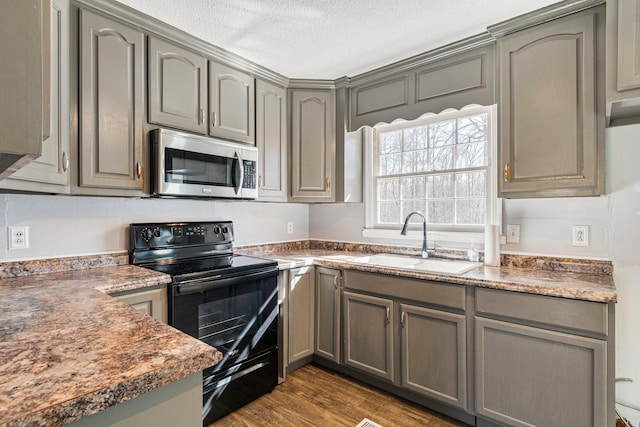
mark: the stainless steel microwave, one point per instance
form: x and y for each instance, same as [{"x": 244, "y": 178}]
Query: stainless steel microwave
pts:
[{"x": 196, "y": 166}]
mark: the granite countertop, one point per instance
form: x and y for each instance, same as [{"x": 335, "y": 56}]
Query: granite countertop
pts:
[
  {"x": 566, "y": 284},
  {"x": 68, "y": 350}
]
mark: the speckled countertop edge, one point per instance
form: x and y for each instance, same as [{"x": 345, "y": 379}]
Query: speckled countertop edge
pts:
[
  {"x": 33, "y": 352},
  {"x": 539, "y": 281}
]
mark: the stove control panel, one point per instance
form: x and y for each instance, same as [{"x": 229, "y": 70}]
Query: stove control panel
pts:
[{"x": 176, "y": 235}]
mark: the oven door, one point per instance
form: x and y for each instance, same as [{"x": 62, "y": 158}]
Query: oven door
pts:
[{"x": 235, "y": 314}]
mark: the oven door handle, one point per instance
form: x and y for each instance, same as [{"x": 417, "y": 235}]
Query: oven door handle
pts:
[{"x": 215, "y": 282}]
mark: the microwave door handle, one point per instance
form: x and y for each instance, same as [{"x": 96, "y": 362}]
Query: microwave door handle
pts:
[{"x": 238, "y": 177}]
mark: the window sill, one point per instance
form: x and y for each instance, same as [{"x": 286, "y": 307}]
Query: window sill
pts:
[{"x": 416, "y": 236}]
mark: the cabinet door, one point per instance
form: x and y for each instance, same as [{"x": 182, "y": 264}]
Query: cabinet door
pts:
[
  {"x": 301, "y": 308},
  {"x": 111, "y": 102},
  {"x": 527, "y": 376},
  {"x": 52, "y": 166},
  {"x": 328, "y": 313},
  {"x": 368, "y": 333},
  {"x": 152, "y": 303},
  {"x": 551, "y": 135},
  {"x": 177, "y": 87},
  {"x": 434, "y": 354},
  {"x": 628, "y": 44},
  {"x": 231, "y": 103},
  {"x": 312, "y": 145},
  {"x": 271, "y": 140}
]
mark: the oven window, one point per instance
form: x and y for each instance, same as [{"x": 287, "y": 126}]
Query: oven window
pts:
[{"x": 187, "y": 167}]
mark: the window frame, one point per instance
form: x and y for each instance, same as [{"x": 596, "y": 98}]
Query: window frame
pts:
[{"x": 442, "y": 233}]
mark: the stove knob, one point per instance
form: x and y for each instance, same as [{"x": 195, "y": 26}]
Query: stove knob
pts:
[
  {"x": 216, "y": 230},
  {"x": 225, "y": 230},
  {"x": 147, "y": 234},
  {"x": 156, "y": 232}
]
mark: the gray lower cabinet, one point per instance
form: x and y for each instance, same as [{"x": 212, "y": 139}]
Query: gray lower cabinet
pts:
[
  {"x": 153, "y": 303},
  {"x": 231, "y": 103},
  {"x": 312, "y": 145},
  {"x": 49, "y": 172},
  {"x": 328, "y": 306},
  {"x": 368, "y": 334},
  {"x": 434, "y": 354},
  {"x": 177, "y": 87},
  {"x": 301, "y": 309},
  {"x": 528, "y": 376},
  {"x": 111, "y": 103},
  {"x": 271, "y": 140},
  {"x": 551, "y": 122}
]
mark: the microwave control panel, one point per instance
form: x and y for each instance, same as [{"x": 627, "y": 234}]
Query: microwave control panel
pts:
[{"x": 249, "y": 180}]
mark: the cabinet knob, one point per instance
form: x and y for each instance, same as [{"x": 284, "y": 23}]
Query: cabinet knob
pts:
[
  {"x": 507, "y": 172},
  {"x": 65, "y": 162}
]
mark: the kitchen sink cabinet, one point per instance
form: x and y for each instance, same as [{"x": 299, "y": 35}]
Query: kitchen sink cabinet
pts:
[
  {"x": 434, "y": 355},
  {"x": 543, "y": 360},
  {"x": 271, "y": 140},
  {"x": 551, "y": 115},
  {"x": 231, "y": 103},
  {"x": 623, "y": 62},
  {"x": 111, "y": 103},
  {"x": 50, "y": 172},
  {"x": 153, "y": 303},
  {"x": 328, "y": 306},
  {"x": 177, "y": 87},
  {"x": 312, "y": 145},
  {"x": 369, "y": 334},
  {"x": 301, "y": 309}
]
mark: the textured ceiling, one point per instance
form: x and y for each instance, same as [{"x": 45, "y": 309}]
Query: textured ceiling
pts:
[{"x": 326, "y": 39}]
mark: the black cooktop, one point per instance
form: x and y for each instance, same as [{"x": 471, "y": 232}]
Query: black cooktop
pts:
[{"x": 223, "y": 266}]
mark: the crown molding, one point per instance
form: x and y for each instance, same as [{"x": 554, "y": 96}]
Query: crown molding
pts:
[{"x": 312, "y": 84}]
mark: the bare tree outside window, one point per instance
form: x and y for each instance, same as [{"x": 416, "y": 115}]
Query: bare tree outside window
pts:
[{"x": 438, "y": 168}]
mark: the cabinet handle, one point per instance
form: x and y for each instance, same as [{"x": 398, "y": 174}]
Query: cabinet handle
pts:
[
  {"x": 328, "y": 184},
  {"x": 202, "y": 116},
  {"x": 507, "y": 172},
  {"x": 65, "y": 162},
  {"x": 213, "y": 119},
  {"x": 402, "y": 318},
  {"x": 138, "y": 170},
  {"x": 388, "y": 314},
  {"x": 335, "y": 282},
  {"x": 260, "y": 185}
]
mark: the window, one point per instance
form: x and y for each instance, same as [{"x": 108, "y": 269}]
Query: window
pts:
[{"x": 437, "y": 165}]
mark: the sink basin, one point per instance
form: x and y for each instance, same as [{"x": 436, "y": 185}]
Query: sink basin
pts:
[{"x": 431, "y": 265}]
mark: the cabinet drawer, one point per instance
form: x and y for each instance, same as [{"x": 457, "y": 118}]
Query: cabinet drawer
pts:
[
  {"x": 425, "y": 291},
  {"x": 560, "y": 312}
]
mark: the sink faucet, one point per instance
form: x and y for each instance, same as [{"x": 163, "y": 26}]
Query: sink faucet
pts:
[{"x": 424, "y": 231}]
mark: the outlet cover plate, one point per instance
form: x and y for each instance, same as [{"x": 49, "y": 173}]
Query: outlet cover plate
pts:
[
  {"x": 513, "y": 234},
  {"x": 580, "y": 235},
  {"x": 18, "y": 237}
]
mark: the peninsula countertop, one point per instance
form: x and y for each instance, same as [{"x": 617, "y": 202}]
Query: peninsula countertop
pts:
[
  {"x": 68, "y": 350},
  {"x": 585, "y": 285}
]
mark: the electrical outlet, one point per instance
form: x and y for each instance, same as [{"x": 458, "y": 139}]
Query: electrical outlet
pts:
[
  {"x": 580, "y": 235},
  {"x": 290, "y": 228},
  {"x": 18, "y": 237},
  {"x": 513, "y": 234}
]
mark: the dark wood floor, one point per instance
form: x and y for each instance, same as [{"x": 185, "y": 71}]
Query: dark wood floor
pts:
[{"x": 313, "y": 396}]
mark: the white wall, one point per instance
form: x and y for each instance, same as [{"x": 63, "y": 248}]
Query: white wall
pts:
[
  {"x": 67, "y": 225},
  {"x": 614, "y": 226}
]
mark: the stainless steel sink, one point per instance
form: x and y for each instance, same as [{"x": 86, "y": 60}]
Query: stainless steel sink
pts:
[{"x": 431, "y": 265}]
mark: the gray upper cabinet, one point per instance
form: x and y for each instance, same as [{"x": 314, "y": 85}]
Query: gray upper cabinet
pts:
[
  {"x": 271, "y": 140},
  {"x": 49, "y": 172},
  {"x": 312, "y": 145},
  {"x": 368, "y": 334},
  {"x": 231, "y": 103},
  {"x": 177, "y": 87},
  {"x": 453, "y": 82},
  {"x": 24, "y": 82},
  {"x": 111, "y": 103},
  {"x": 434, "y": 355},
  {"x": 623, "y": 62},
  {"x": 328, "y": 296},
  {"x": 301, "y": 302},
  {"x": 551, "y": 122}
]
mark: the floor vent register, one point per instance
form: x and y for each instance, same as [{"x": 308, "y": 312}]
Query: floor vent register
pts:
[{"x": 368, "y": 423}]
